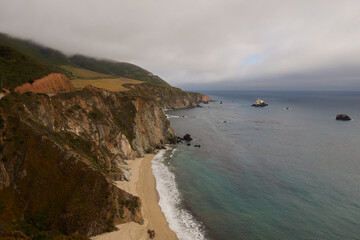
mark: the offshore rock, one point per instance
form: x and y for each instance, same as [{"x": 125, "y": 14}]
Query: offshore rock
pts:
[
  {"x": 342, "y": 117},
  {"x": 259, "y": 103},
  {"x": 187, "y": 137}
]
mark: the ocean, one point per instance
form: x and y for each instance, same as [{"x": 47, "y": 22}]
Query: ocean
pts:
[{"x": 264, "y": 173}]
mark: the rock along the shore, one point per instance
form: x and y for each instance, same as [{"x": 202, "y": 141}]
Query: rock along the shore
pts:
[{"x": 187, "y": 137}]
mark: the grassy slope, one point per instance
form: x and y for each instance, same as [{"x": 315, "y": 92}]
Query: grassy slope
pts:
[
  {"x": 78, "y": 72},
  {"x": 44, "y": 55},
  {"x": 120, "y": 69},
  {"x": 78, "y": 65},
  {"x": 111, "y": 84},
  {"x": 17, "y": 68}
]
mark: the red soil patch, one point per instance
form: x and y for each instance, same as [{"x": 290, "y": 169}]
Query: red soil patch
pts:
[{"x": 54, "y": 82}]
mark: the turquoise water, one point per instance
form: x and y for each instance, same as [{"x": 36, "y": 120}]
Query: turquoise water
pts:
[{"x": 269, "y": 173}]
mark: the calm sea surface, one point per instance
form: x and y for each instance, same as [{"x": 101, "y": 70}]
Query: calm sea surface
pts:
[{"x": 264, "y": 173}]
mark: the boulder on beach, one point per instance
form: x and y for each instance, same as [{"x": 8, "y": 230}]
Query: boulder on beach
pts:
[
  {"x": 187, "y": 137},
  {"x": 151, "y": 233},
  {"x": 342, "y": 117},
  {"x": 260, "y": 103}
]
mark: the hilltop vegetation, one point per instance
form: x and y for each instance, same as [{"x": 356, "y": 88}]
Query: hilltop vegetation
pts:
[
  {"x": 79, "y": 66},
  {"x": 120, "y": 69},
  {"x": 47, "y": 56},
  {"x": 34, "y": 61},
  {"x": 17, "y": 68}
]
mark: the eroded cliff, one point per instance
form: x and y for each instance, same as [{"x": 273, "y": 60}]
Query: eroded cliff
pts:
[{"x": 59, "y": 156}]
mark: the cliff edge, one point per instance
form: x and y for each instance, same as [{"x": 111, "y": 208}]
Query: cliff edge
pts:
[
  {"x": 168, "y": 97},
  {"x": 60, "y": 155}
]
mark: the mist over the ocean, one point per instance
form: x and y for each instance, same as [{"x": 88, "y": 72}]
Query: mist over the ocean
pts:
[{"x": 271, "y": 173}]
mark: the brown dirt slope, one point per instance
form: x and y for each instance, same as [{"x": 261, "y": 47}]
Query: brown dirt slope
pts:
[{"x": 54, "y": 82}]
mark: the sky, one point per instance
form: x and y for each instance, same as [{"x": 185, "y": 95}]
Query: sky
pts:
[{"x": 205, "y": 44}]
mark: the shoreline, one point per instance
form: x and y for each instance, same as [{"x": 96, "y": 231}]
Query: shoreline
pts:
[{"x": 143, "y": 185}]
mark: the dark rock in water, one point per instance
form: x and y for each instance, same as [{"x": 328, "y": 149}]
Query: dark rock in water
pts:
[
  {"x": 187, "y": 137},
  {"x": 151, "y": 233},
  {"x": 260, "y": 103},
  {"x": 179, "y": 140},
  {"x": 206, "y": 102},
  {"x": 188, "y": 144},
  {"x": 220, "y": 102},
  {"x": 197, "y": 145},
  {"x": 342, "y": 117}
]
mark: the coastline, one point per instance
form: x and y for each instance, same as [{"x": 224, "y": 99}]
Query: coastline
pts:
[{"x": 142, "y": 184}]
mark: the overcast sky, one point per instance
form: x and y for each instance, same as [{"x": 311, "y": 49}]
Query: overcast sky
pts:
[{"x": 205, "y": 44}]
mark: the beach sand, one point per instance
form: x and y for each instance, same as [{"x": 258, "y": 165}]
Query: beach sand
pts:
[{"x": 142, "y": 184}]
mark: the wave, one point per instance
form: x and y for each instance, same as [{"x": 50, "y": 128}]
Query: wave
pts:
[
  {"x": 175, "y": 116},
  {"x": 180, "y": 220},
  {"x": 172, "y": 153}
]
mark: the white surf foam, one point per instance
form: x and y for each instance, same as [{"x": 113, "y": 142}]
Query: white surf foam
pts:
[
  {"x": 175, "y": 116},
  {"x": 180, "y": 220},
  {"x": 172, "y": 153}
]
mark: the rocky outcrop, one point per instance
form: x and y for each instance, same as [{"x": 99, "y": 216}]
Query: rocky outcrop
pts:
[
  {"x": 52, "y": 83},
  {"x": 187, "y": 137},
  {"x": 168, "y": 97},
  {"x": 260, "y": 103},
  {"x": 342, "y": 117},
  {"x": 59, "y": 156}
]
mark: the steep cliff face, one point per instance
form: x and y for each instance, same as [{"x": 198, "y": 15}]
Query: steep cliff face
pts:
[
  {"x": 59, "y": 155},
  {"x": 54, "y": 82}
]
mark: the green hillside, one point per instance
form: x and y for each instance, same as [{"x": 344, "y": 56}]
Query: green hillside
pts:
[
  {"x": 70, "y": 65},
  {"x": 17, "y": 68},
  {"x": 120, "y": 69},
  {"x": 44, "y": 55}
]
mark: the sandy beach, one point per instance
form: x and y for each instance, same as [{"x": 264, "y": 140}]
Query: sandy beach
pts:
[{"x": 142, "y": 184}]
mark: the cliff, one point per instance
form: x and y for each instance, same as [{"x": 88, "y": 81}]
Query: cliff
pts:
[
  {"x": 54, "y": 82},
  {"x": 168, "y": 97},
  {"x": 59, "y": 156}
]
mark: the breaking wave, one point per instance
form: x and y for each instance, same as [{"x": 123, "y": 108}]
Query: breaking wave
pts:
[{"x": 180, "y": 220}]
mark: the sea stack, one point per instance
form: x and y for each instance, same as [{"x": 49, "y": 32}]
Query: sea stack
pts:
[
  {"x": 260, "y": 103},
  {"x": 187, "y": 137},
  {"x": 342, "y": 117}
]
